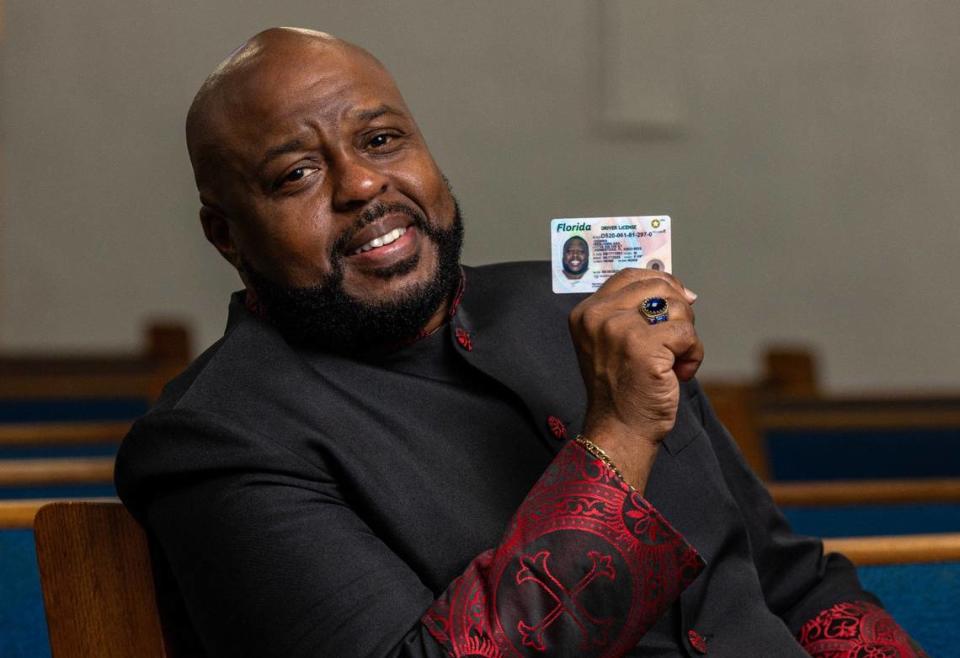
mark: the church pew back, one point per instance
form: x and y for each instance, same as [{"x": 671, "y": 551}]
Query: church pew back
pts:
[
  {"x": 165, "y": 351},
  {"x": 873, "y": 507},
  {"x": 75, "y": 477},
  {"x": 98, "y": 583}
]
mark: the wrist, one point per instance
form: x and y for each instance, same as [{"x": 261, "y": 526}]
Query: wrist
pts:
[{"x": 630, "y": 456}]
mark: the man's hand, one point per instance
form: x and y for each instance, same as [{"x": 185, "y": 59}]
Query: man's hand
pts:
[{"x": 632, "y": 369}]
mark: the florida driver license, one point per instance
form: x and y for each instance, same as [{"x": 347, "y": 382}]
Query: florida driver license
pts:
[{"x": 586, "y": 251}]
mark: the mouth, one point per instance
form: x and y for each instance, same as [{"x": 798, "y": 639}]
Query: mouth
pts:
[
  {"x": 381, "y": 240},
  {"x": 379, "y": 234}
]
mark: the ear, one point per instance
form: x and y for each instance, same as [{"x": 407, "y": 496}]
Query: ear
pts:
[{"x": 217, "y": 229}]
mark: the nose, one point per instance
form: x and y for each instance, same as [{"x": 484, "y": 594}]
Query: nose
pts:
[{"x": 356, "y": 182}]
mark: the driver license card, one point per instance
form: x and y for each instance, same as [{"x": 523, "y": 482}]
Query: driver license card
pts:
[{"x": 586, "y": 251}]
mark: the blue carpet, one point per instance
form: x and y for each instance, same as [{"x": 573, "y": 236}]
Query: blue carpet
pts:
[
  {"x": 23, "y": 626},
  {"x": 864, "y": 520},
  {"x": 923, "y": 598},
  {"x": 807, "y": 454}
]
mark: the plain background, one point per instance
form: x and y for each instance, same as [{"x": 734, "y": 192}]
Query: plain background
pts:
[{"x": 807, "y": 151}]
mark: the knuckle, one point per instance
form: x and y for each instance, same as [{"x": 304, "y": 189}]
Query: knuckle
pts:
[
  {"x": 685, "y": 331},
  {"x": 593, "y": 316}
]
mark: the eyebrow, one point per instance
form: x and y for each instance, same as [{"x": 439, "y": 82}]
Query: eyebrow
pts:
[
  {"x": 379, "y": 111},
  {"x": 276, "y": 151}
]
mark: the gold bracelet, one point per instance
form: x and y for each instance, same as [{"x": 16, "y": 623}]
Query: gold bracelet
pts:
[{"x": 598, "y": 452}]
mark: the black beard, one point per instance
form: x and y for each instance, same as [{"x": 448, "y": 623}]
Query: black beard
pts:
[{"x": 325, "y": 316}]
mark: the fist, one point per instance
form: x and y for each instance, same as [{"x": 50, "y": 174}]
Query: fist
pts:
[{"x": 633, "y": 369}]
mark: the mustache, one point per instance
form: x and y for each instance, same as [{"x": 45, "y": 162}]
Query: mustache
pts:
[{"x": 372, "y": 214}]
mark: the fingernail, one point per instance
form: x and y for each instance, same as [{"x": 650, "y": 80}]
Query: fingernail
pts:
[{"x": 692, "y": 296}]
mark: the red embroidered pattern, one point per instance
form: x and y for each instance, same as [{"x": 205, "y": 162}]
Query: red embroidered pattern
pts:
[
  {"x": 252, "y": 303},
  {"x": 557, "y": 427},
  {"x": 857, "y": 630},
  {"x": 463, "y": 337},
  {"x": 586, "y": 564}
]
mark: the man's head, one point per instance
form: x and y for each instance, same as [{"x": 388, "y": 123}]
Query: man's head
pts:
[
  {"x": 576, "y": 257},
  {"x": 318, "y": 187}
]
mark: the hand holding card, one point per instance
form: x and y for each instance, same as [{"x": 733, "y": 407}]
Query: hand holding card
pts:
[{"x": 631, "y": 368}]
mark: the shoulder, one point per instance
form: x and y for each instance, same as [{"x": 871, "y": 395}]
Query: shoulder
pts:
[
  {"x": 227, "y": 410},
  {"x": 249, "y": 350}
]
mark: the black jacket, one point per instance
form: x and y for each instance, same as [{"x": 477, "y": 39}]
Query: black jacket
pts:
[{"x": 301, "y": 519}]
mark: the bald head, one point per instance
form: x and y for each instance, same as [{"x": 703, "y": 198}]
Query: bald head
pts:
[{"x": 255, "y": 77}]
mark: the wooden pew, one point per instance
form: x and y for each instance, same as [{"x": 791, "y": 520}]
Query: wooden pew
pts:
[
  {"x": 165, "y": 352},
  {"x": 905, "y": 549},
  {"x": 74, "y": 477},
  {"x": 23, "y": 629},
  {"x": 871, "y": 507},
  {"x": 101, "y": 591},
  {"x": 54, "y": 434},
  {"x": 18, "y": 514},
  {"x": 860, "y": 492},
  {"x": 73, "y": 470},
  {"x": 778, "y": 417},
  {"x": 58, "y": 459},
  {"x": 859, "y": 437}
]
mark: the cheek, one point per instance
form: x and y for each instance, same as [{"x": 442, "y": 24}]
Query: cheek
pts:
[
  {"x": 292, "y": 248},
  {"x": 423, "y": 182}
]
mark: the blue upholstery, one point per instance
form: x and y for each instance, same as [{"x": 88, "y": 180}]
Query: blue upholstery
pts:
[
  {"x": 810, "y": 454},
  {"x": 53, "y": 451},
  {"x": 58, "y": 491},
  {"x": 23, "y": 626},
  {"x": 864, "y": 520},
  {"x": 923, "y": 598},
  {"x": 65, "y": 410},
  {"x": 72, "y": 409}
]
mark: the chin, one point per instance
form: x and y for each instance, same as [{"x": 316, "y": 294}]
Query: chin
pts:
[{"x": 383, "y": 284}]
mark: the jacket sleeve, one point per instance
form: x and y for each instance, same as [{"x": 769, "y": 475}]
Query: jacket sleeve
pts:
[
  {"x": 271, "y": 560},
  {"x": 585, "y": 568},
  {"x": 818, "y": 596}
]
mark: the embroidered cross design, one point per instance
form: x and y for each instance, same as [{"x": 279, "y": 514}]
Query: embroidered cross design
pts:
[{"x": 593, "y": 630}]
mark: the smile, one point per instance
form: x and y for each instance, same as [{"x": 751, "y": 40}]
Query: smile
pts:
[{"x": 381, "y": 240}]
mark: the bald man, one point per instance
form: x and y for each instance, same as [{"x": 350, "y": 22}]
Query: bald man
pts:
[{"x": 388, "y": 454}]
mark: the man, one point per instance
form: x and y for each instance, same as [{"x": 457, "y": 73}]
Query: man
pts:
[
  {"x": 574, "y": 263},
  {"x": 576, "y": 257},
  {"x": 377, "y": 458}
]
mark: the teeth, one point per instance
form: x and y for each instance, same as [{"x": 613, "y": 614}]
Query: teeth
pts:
[{"x": 381, "y": 240}]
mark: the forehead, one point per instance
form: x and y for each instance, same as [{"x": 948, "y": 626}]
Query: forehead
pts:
[{"x": 294, "y": 88}]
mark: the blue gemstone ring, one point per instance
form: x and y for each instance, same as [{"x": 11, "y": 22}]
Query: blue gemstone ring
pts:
[{"x": 655, "y": 309}]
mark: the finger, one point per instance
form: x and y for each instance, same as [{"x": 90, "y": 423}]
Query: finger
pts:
[
  {"x": 680, "y": 338},
  {"x": 631, "y": 275},
  {"x": 688, "y": 363},
  {"x": 596, "y": 317},
  {"x": 632, "y": 295}
]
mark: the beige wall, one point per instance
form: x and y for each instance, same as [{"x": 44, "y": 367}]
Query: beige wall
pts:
[{"x": 808, "y": 152}]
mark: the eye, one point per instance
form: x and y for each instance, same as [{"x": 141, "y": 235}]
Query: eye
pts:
[
  {"x": 296, "y": 175},
  {"x": 383, "y": 141}
]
